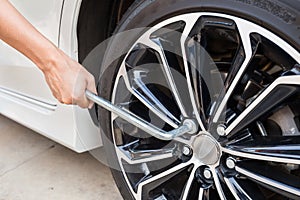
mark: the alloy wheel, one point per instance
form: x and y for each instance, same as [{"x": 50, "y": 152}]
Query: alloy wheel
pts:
[{"x": 239, "y": 82}]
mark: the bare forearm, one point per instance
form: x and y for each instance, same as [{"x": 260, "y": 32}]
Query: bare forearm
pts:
[
  {"x": 16, "y": 31},
  {"x": 66, "y": 78}
]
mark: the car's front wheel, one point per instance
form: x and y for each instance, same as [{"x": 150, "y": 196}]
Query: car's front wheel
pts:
[{"x": 233, "y": 67}]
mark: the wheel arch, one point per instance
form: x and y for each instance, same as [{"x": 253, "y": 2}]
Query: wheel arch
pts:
[{"x": 96, "y": 22}]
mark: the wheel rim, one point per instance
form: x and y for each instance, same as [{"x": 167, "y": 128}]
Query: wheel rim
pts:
[{"x": 163, "y": 82}]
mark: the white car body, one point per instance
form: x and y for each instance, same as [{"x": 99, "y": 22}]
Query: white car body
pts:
[{"x": 24, "y": 94}]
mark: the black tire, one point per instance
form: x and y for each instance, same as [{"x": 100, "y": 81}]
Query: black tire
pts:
[{"x": 281, "y": 17}]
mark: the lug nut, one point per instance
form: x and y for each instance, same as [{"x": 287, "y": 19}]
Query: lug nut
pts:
[
  {"x": 207, "y": 173},
  {"x": 186, "y": 150},
  {"x": 221, "y": 130},
  {"x": 230, "y": 163}
]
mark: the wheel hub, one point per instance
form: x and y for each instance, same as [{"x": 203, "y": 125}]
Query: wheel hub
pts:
[{"x": 207, "y": 149}]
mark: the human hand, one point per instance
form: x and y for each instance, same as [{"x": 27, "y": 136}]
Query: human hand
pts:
[
  {"x": 68, "y": 81},
  {"x": 66, "y": 78}
]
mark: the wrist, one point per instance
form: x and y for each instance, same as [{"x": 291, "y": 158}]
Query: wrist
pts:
[{"x": 49, "y": 60}]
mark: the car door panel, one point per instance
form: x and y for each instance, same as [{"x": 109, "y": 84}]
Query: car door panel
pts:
[
  {"x": 17, "y": 73},
  {"x": 24, "y": 95}
]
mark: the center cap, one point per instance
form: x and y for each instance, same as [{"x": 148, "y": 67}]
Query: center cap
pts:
[{"x": 206, "y": 149}]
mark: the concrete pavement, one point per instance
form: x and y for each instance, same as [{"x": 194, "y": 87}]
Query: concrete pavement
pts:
[{"x": 33, "y": 167}]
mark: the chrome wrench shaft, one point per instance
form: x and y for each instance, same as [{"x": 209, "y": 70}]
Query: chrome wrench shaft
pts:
[{"x": 187, "y": 126}]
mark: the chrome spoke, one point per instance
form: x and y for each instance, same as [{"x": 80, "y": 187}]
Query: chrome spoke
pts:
[
  {"x": 153, "y": 105},
  {"x": 190, "y": 22},
  {"x": 272, "y": 157},
  {"x": 158, "y": 47},
  {"x": 278, "y": 88},
  {"x": 268, "y": 181},
  {"x": 162, "y": 175},
  {"x": 132, "y": 156},
  {"x": 203, "y": 194},
  {"x": 188, "y": 184},
  {"x": 236, "y": 190},
  {"x": 148, "y": 94},
  {"x": 244, "y": 32},
  {"x": 285, "y": 151},
  {"x": 218, "y": 184},
  {"x": 277, "y": 149}
]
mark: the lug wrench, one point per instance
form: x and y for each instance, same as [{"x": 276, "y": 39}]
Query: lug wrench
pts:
[{"x": 187, "y": 126}]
